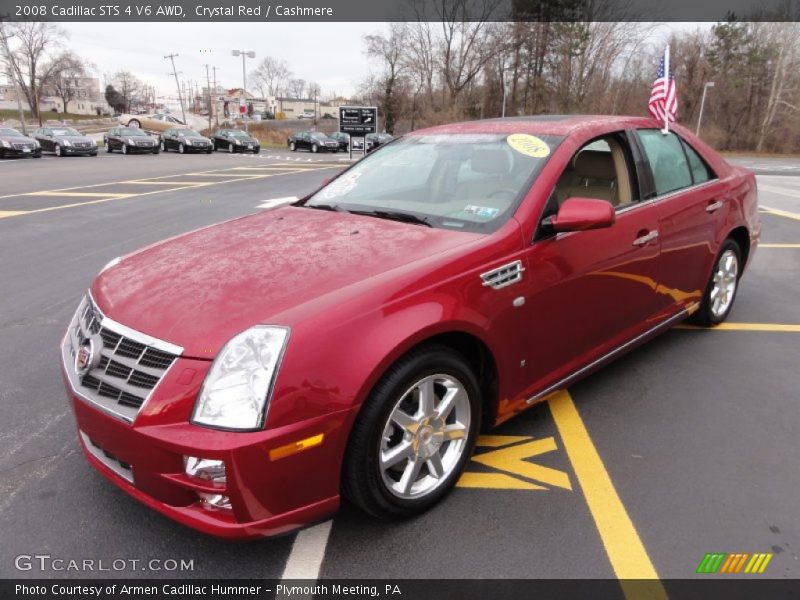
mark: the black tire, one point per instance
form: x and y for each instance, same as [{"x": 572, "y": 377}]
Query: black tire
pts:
[
  {"x": 58, "y": 151},
  {"x": 164, "y": 146},
  {"x": 108, "y": 147},
  {"x": 93, "y": 154},
  {"x": 705, "y": 315},
  {"x": 209, "y": 151},
  {"x": 156, "y": 151},
  {"x": 362, "y": 483}
]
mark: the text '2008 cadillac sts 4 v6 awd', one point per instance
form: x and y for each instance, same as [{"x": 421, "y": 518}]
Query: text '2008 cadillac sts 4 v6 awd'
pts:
[{"x": 242, "y": 378}]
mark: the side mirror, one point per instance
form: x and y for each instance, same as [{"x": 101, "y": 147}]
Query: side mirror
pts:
[{"x": 580, "y": 214}]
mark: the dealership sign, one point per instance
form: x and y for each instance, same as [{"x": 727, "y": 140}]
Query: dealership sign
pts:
[{"x": 358, "y": 120}]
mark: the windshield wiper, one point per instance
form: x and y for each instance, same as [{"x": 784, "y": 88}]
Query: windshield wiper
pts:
[
  {"x": 331, "y": 207},
  {"x": 393, "y": 215}
]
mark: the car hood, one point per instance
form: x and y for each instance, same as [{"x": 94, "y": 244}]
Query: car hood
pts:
[
  {"x": 73, "y": 138},
  {"x": 197, "y": 139},
  {"x": 201, "y": 288},
  {"x": 16, "y": 139}
]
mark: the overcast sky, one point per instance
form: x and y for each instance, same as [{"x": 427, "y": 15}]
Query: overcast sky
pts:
[
  {"x": 332, "y": 56},
  {"x": 329, "y": 54}
]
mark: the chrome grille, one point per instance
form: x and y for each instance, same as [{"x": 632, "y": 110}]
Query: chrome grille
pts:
[
  {"x": 503, "y": 276},
  {"x": 144, "y": 143},
  {"x": 81, "y": 144},
  {"x": 120, "y": 467},
  {"x": 22, "y": 146},
  {"x": 128, "y": 369}
]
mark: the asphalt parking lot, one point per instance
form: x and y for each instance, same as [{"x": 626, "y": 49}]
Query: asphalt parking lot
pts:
[{"x": 684, "y": 447}]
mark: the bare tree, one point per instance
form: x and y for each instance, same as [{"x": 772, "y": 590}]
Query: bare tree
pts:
[
  {"x": 30, "y": 46},
  {"x": 296, "y": 87},
  {"x": 389, "y": 51},
  {"x": 66, "y": 81},
  {"x": 271, "y": 75},
  {"x": 128, "y": 86}
]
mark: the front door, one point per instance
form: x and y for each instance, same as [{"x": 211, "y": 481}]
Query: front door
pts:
[{"x": 589, "y": 291}]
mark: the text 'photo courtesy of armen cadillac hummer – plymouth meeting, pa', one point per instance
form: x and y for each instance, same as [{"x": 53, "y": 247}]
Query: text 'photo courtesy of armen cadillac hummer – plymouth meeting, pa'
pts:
[{"x": 415, "y": 299}]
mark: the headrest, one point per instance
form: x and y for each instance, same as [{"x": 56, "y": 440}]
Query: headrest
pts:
[
  {"x": 493, "y": 162},
  {"x": 593, "y": 164}
]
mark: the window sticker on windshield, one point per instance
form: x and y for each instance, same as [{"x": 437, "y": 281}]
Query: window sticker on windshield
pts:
[
  {"x": 485, "y": 212},
  {"x": 529, "y": 145},
  {"x": 341, "y": 186}
]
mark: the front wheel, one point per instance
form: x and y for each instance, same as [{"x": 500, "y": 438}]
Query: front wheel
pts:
[
  {"x": 315, "y": 148},
  {"x": 163, "y": 146},
  {"x": 59, "y": 152},
  {"x": 292, "y": 147},
  {"x": 414, "y": 435},
  {"x": 231, "y": 148},
  {"x": 124, "y": 148},
  {"x": 722, "y": 286},
  {"x": 181, "y": 149}
]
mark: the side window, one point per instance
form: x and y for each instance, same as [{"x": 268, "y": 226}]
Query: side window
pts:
[
  {"x": 700, "y": 170},
  {"x": 667, "y": 160},
  {"x": 600, "y": 170}
]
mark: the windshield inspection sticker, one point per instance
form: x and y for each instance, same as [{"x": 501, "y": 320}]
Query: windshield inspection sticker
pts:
[
  {"x": 485, "y": 212},
  {"x": 529, "y": 145}
]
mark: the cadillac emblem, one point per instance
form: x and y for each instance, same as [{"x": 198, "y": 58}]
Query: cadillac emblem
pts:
[{"x": 87, "y": 357}]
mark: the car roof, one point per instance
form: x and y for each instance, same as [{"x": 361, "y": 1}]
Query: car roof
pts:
[{"x": 562, "y": 125}]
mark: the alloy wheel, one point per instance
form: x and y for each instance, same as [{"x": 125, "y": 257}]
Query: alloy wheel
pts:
[
  {"x": 231, "y": 149},
  {"x": 725, "y": 279},
  {"x": 181, "y": 149},
  {"x": 425, "y": 436}
]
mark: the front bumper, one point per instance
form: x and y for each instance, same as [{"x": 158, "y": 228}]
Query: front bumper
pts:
[
  {"x": 71, "y": 151},
  {"x": 145, "y": 149},
  {"x": 269, "y": 494},
  {"x": 19, "y": 152}
]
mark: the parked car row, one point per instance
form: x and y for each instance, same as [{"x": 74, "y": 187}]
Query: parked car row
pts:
[{"x": 316, "y": 141}]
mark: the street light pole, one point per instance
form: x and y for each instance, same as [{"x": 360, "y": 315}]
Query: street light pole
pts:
[
  {"x": 208, "y": 98},
  {"x": 244, "y": 54},
  {"x": 702, "y": 105},
  {"x": 216, "y": 108}
]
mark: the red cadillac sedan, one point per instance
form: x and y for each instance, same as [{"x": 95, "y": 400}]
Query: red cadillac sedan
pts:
[{"x": 243, "y": 378}]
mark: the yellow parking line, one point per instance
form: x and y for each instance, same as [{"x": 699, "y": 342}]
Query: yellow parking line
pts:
[
  {"x": 779, "y": 245},
  {"x": 11, "y": 213},
  {"x": 146, "y": 182},
  {"x": 111, "y": 197},
  {"x": 789, "y": 328},
  {"x": 625, "y": 550},
  {"x": 75, "y": 194},
  {"x": 223, "y": 174},
  {"x": 780, "y": 213}
]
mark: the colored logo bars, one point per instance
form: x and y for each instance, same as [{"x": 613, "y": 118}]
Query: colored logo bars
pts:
[{"x": 720, "y": 562}]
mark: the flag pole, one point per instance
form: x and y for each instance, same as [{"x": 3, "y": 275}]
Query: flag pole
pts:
[{"x": 665, "y": 131}]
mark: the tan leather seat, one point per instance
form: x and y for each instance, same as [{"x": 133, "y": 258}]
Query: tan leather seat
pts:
[{"x": 595, "y": 176}]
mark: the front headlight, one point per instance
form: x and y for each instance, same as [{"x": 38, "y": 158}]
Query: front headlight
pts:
[
  {"x": 67, "y": 143},
  {"x": 237, "y": 142},
  {"x": 36, "y": 144},
  {"x": 131, "y": 141},
  {"x": 6, "y": 144},
  {"x": 237, "y": 389}
]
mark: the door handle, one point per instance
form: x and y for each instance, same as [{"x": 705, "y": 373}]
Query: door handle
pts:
[
  {"x": 645, "y": 239},
  {"x": 714, "y": 206}
]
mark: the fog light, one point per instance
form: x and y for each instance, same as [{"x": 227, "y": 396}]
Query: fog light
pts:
[
  {"x": 206, "y": 469},
  {"x": 215, "y": 501}
]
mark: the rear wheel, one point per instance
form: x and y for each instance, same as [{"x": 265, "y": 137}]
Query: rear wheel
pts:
[
  {"x": 722, "y": 286},
  {"x": 181, "y": 149},
  {"x": 414, "y": 434},
  {"x": 292, "y": 147}
]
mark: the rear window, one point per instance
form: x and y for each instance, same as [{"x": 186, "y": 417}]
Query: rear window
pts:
[{"x": 667, "y": 160}]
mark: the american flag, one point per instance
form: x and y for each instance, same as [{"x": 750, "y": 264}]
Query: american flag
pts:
[{"x": 663, "y": 103}]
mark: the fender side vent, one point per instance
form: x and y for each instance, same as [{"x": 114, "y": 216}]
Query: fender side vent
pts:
[{"x": 503, "y": 276}]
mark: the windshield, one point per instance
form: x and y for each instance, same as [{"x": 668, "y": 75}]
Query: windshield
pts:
[
  {"x": 189, "y": 132},
  {"x": 65, "y": 131},
  {"x": 472, "y": 182},
  {"x": 131, "y": 132},
  {"x": 10, "y": 132},
  {"x": 239, "y": 134},
  {"x": 317, "y": 135}
]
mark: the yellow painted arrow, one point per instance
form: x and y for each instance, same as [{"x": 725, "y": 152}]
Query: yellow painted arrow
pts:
[{"x": 510, "y": 458}]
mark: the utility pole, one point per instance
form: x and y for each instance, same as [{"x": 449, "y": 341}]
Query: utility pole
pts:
[
  {"x": 208, "y": 98},
  {"x": 216, "y": 112},
  {"x": 178, "y": 85}
]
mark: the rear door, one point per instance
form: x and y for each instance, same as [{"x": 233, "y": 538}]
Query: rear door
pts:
[{"x": 692, "y": 205}]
